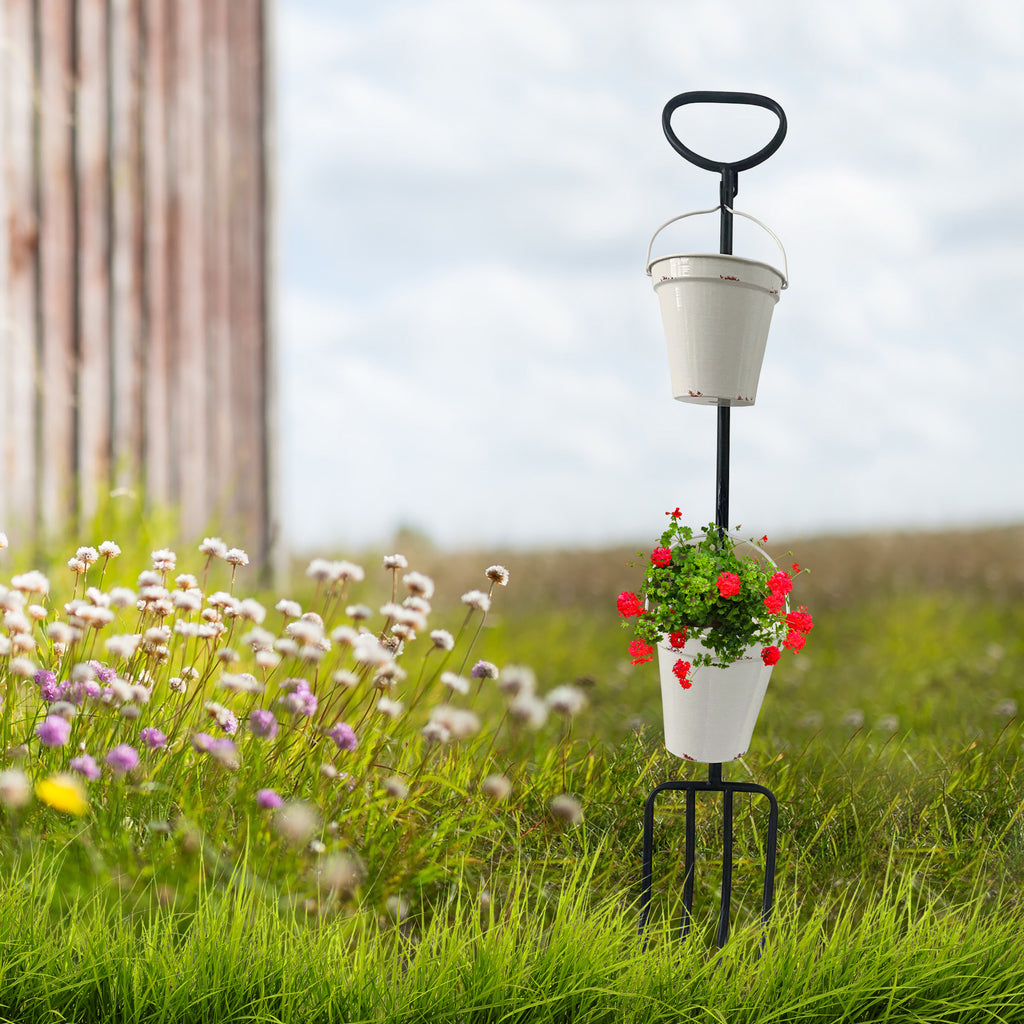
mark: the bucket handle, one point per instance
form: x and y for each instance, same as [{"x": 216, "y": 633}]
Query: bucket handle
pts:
[{"x": 738, "y": 213}]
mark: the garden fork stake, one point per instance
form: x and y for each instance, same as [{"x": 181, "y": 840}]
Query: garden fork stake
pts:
[{"x": 714, "y": 784}]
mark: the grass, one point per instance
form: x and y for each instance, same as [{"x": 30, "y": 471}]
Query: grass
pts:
[{"x": 892, "y": 743}]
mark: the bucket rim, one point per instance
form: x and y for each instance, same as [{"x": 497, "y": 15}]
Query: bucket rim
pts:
[{"x": 718, "y": 256}]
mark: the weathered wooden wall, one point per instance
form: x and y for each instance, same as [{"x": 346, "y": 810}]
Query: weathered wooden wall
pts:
[{"x": 136, "y": 347}]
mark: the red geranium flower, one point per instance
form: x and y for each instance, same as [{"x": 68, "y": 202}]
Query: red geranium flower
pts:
[
  {"x": 800, "y": 620},
  {"x": 794, "y": 640},
  {"x": 780, "y": 583},
  {"x": 629, "y": 604},
  {"x": 770, "y": 655},
  {"x": 728, "y": 584},
  {"x": 661, "y": 557},
  {"x": 775, "y": 603},
  {"x": 681, "y": 670},
  {"x": 677, "y": 640},
  {"x": 641, "y": 652}
]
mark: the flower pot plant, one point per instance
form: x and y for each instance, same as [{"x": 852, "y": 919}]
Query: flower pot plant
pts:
[{"x": 717, "y": 609}]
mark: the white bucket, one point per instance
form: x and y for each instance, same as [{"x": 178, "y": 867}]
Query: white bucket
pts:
[
  {"x": 714, "y": 719},
  {"x": 716, "y": 310}
]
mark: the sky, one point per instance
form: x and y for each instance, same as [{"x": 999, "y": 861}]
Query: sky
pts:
[{"x": 468, "y": 343}]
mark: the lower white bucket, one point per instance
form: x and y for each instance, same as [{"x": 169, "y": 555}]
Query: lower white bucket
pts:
[
  {"x": 716, "y": 310},
  {"x": 714, "y": 719}
]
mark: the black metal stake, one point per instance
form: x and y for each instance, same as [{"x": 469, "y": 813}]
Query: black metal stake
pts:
[{"x": 715, "y": 784}]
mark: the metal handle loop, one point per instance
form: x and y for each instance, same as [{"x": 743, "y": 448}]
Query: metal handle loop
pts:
[
  {"x": 747, "y": 98},
  {"x": 715, "y": 209}
]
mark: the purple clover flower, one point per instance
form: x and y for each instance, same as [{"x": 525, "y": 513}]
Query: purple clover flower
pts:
[
  {"x": 301, "y": 701},
  {"x": 484, "y": 670},
  {"x": 344, "y": 736},
  {"x": 153, "y": 738},
  {"x": 123, "y": 758},
  {"x": 87, "y": 766},
  {"x": 268, "y": 799},
  {"x": 262, "y": 724},
  {"x": 53, "y": 731},
  {"x": 104, "y": 673},
  {"x": 202, "y": 741},
  {"x": 47, "y": 683}
]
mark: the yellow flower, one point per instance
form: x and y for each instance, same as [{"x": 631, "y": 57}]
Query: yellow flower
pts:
[{"x": 63, "y": 793}]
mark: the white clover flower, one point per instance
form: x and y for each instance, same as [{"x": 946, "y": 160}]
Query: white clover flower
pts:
[
  {"x": 5, "y": 646},
  {"x": 303, "y": 632},
  {"x": 177, "y": 684},
  {"x": 148, "y": 578},
  {"x": 164, "y": 560},
  {"x": 188, "y": 630},
  {"x": 497, "y": 574},
  {"x": 108, "y": 549},
  {"x": 11, "y": 600},
  {"x": 419, "y": 584},
  {"x": 23, "y": 643},
  {"x": 95, "y": 617},
  {"x": 395, "y": 562},
  {"x": 77, "y": 566},
  {"x": 345, "y": 635},
  {"x": 435, "y": 732},
  {"x": 455, "y": 682},
  {"x": 310, "y": 653},
  {"x": 267, "y": 659},
  {"x": 396, "y": 787},
  {"x": 87, "y": 555},
  {"x": 349, "y": 571},
  {"x": 367, "y": 650},
  {"x": 186, "y": 581},
  {"x": 96, "y": 596},
  {"x": 319, "y": 569},
  {"x": 358, "y": 612},
  {"x": 296, "y": 822},
  {"x": 289, "y": 609},
  {"x": 122, "y": 597},
  {"x": 227, "y": 656},
  {"x": 61, "y": 633},
  {"x": 417, "y": 604},
  {"x": 343, "y": 677},
  {"x": 31, "y": 582},
  {"x": 403, "y": 632},
  {"x": 187, "y": 601},
  {"x": 286, "y": 647},
  {"x": 17, "y": 622},
  {"x": 442, "y": 639},
  {"x": 222, "y": 599},
  {"x": 3, "y": 540},
  {"x": 477, "y": 600},
  {"x": 259, "y": 639},
  {"x": 15, "y": 785},
  {"x": 566, "y": 700}
]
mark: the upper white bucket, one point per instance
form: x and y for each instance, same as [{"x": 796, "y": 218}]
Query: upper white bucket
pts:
[{"x": 716, "y": 310}]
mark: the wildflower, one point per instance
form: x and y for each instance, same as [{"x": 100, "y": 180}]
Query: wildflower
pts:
[
  {"x": 47, "y": 683},
  {"x": 289, "y": 609},
  {"x": 86, "y": 765},
  {"x": 728, "y": 584},
  {"x": 224, "y": 752},
  {"x": 477, "y": 600},
  {"x": 566, "y": 700},
  {"x": 23, "y": 667},
  {"x": 77, "y": 566},
  {"x": 497, "y": 574},
  {"x": 396, "y": 787},
  {"x": 800, "y": 620},
  {"x": 516, "y": 679},
  {"x": 640, "y": 652},
  {"x": 339, "y": 873},
  {"x": 458, "y": 721},
  {"x": 775, "y": 603},
  {"x": 419, "y": 584},
  {"x": 661, "y": 557},
  {"x": 122, "y": 759},
  {"x": 358, "y": 612},
  {"x": 32, "y": 582},
  {"x": 442, "y": 639},
  {"x": 177, "y": 684},
  {"x": 242, "y": 682},
  {"x": 417, "y": 604},
  {"x": 63, "y": 793},
  {"x": 108, "y": 549},
  {"x": 497, "y": 787},
  {"x": 187, "y": 601},
  {"x": 296, "y": 821},
  {"x": 436, "y": 732},
  {"x": 344, "y": 571},
  {"x": 455, "y": 682},
  {"x": 367, "y": 650},
  {"x": 3, "y": 541},
  {"x": 780, "y": 583},
  {"x": 566, "y": 808},
  {"x": 320, "y": 570},
  {"x": 681, "y": 670},
  {"x": 677, "y": 641},
  {"x": 395, "y": 562},
  {"x": 269, "y": 799},
  {"x": 343, "y": 677},
  {"x": 343, "y": 736},
  {"x": 164, "y": 560},
  {"x": 529, "y": 710},
  {"x": 628, "y": 604},
  {"x": 770, "y": 655},
  {"x": 794, "y": 640},
  {"x": 298, "y": 698},
  {"x": 225, "y": 718},
  {"x": 153, "y": 738},
  {"x": 61, "y": 633},
  {"x": 484, "y": 670},
  {"x": 213, "y": 547},
  {"x": 122, "y": 597},
  {"x": 15, "y": 788},
  {"x": 53, "y": 731},
  {"x": 236, "y": 557},
  {"x": 392, "y": 708}
]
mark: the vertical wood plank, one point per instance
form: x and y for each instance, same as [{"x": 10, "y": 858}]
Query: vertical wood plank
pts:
[
  {"x": 247, "y": 353},
  {"x": 188, "y": 364},
  {"x": 93, "y": 320},
  {"x": 127, "y": 254},
  {"x": 220, "y": 470},
  {"x": 56, "y": 443},
  {"x": 156, "y": 405},
  {"x": 18, "y": 443}
]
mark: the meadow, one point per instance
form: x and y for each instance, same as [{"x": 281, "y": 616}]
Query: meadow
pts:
[{"x": 408, "y": 785}]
